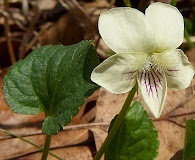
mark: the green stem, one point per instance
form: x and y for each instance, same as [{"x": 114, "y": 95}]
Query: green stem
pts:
[
  {"x": 116, "y": 124},
  {"x": 46, "y": 147}
]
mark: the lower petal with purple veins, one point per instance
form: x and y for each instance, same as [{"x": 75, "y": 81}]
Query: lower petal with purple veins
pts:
[{"x": 153, "y": 88}]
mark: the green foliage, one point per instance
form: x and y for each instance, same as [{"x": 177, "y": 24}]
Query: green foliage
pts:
[
  {"x": 188, "y": 26},
  {"x": 127, "y": 3},
  {"x": 136, "y": 139},
  {"x": 174, "y": 2},
  {"x": 187, "y": 36},
  {"x": 54, "y": 80},
  {"x": 110, "y": 53},
  {"x": 189, "y": 149},
  {"x": 188, "y": 30}
]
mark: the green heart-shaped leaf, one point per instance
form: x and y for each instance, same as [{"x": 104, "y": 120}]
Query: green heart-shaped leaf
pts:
[
  {"x": 136, "y": 138},
  {"x": 54, "y": 80}
]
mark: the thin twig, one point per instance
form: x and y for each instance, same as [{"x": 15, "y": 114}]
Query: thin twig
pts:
[
  {"x": 34, "y": 40},
  {"x": 16, "y": 21},
  {"x": 8, "y": 33},
  {"x": 30, "y": 142},
  {"x": 167, "y": 117},
  {"x": 112, "y": 2},
  {"x": 80, "y": 14},
  {"x": 73, "y": 5},
  {"x": 4, "y": 39},
  {"x": 97, "y": 41},
  {"x": 66, "y": 128}
]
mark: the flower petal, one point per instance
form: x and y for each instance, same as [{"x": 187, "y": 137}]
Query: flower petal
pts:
[
  {"x": 181, "y": 76},
  {"x": 153, "y": 88},
  {"x": 118, "y": 73},
  {"x": 168, "y": 25},
  {"x": 126, "y": 30}
]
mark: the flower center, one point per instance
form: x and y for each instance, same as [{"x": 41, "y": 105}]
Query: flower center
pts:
[
  {"x": 161, "y": 62},
  {"x": 151, "y": 64}
]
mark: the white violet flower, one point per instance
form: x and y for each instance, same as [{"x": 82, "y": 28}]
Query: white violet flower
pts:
[{"x": 146, "y": 53}]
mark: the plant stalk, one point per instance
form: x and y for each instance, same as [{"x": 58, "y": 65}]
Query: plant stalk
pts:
[
  {"x": 46, "y": 147},
  {"x": 116, "y": 124}
]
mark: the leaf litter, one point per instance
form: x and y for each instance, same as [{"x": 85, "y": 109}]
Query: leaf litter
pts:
[{"x": 87, "y": 131}]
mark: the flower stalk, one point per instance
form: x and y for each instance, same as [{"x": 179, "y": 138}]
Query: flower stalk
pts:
[{"x": 116, "y": 124}]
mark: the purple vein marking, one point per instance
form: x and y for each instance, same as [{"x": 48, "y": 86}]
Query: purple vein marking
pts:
[
  {"x": 149, "y": 83},
  {"x": 169, "y": 71},
  {"x": 152, "y": 81},
  {"x": 145, "y": 75},
  {"x": 140, "y": 79},
  {"x": 131, "y": 74},
  {"x": 173, "y": 69},
  {"x": 155, "y": 84},
  {"x": 157, "y": 87},
  {"x": 158, "y": 75}
]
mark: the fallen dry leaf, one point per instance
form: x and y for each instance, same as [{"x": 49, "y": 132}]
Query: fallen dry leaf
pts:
[
  {"x": 70, "y": 153},
  {"x": 100, "y": 135},
  {"x": 191, "y": 56},
  {"x": 171, "y": 125}
]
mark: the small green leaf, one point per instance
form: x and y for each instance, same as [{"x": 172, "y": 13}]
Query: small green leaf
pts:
[
  {"x": 54, "y": 80},
  {"x": 189, "y": 148},
  {"x": 136, "y": 139}
]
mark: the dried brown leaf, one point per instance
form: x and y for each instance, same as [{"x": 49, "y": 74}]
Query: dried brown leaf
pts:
[{"x": 69, "y": 153}]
